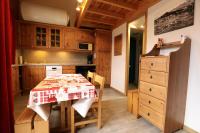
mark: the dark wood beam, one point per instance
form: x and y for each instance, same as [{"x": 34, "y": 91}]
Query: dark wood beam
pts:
[
  {"x": 85, "y": 6},
  {"x": 105, "y": 13},
  {"x": 95, "y": 25},
  {"x": 118, "y": 4},
  {"x": 142, "y": 9}
]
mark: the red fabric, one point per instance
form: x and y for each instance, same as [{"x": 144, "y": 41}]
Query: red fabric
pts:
[{"x": 6, "y": 49}]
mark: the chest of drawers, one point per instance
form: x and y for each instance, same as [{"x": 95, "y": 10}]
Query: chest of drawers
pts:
[{"x": 163, "y": 88}]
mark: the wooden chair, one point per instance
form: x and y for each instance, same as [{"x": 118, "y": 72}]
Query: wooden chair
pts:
[
  {"x": 90, "y": 76},
  {"x": 96, "y": 105}
]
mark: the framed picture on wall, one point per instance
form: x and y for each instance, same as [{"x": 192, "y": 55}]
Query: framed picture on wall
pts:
[
  {"x": 118, "y": 45},
  {"x": 180, "y": 17}
]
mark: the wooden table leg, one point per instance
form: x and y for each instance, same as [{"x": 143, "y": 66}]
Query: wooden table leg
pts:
[
  {"x": 65, "y": 115},
  {"x": 68, "y": 114},
  {"x": 62, "y": 114}
]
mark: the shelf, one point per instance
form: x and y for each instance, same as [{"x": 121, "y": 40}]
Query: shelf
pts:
[{"x": 171, "y": 45}]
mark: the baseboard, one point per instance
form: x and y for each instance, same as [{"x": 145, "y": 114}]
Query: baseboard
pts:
[
  {"x": 188, "y": 129},
  {"x": 117, "y": 90}
]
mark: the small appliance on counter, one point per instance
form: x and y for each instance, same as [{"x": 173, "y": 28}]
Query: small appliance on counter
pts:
[
  {"x": 85, "y": 46},
  {"x": 90, "y": 59},
  {"x": 20, "y": 60}
]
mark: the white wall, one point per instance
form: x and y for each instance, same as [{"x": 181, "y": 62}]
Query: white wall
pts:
[
  {"x": 118, "y": 64},
  {"x": 45, "y": 14},
  {"x": 192, "y": 117}
]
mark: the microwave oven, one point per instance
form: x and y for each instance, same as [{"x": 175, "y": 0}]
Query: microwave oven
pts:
[{"x": 85, "y": 46}]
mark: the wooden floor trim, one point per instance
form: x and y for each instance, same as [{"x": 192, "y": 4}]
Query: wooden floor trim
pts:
[
  {"x": 188, "y": 129},
  {"x": 117, "y": 91}
]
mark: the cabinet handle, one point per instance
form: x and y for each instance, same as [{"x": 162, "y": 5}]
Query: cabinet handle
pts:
[
  {"x": 151, "y": 77},
  {"x": 149, "y": 102},
  {"x": 148, "y": 114},
  {"x": 150, "y": 89}
]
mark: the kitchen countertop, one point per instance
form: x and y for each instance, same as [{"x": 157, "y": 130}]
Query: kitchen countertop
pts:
[{"x": 52, "y": 64}]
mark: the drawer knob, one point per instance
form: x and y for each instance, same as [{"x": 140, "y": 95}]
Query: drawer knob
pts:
[
  {"x": 148, "y": 114},
  {"x": 151, "y": 77},
  {"x": 149, "y": 102},
  {"x": 150, "y": 89},
  {"x": 151, "y": 64}
]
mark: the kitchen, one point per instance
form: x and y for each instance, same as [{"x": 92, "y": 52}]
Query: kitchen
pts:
[{"x": 64, "y": 61}]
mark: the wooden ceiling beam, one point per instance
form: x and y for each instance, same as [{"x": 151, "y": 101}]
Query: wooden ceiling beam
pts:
[
  {"x": 142, "y": 8},
  {"x": 84, "y": 8},
  {"x": 98, "y": 21},
  {"x": 95, "y": 25},
  {"x": 118, "y": 4},
  {"x": 105, "y": 13}
]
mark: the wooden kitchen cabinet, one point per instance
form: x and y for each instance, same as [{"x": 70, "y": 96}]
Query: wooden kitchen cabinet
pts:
[
  {"x": 47, "y": 36},
  {"x": 31, "y": 76},
  {"x": 103, "y": 47},
  {"x": 25, "y": 35},
  {"x": 41, "y": 36},
  {"x": 68, "y": 69},
  {"x": 15, "y": 80},
  {"x": 70, "y": 39},
  {"x": 56, "y": 37},
  {"x": 86, "y": 36}
]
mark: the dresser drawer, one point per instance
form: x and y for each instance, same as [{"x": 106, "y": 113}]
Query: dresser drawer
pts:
[
  {"x": 158, "y": 78},
  {"x": 154, "y": 117},
  {"x": 155, "y": 63},
  {"x": 153, "y": 90},
  {"x": 152, "y": 102}
]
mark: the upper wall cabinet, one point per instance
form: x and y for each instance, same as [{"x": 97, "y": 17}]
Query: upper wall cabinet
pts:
[
  {"x": 85, "y": 36},
  {"x": 70, "y": 39},
  {"x": 45, "y": 36},
  {"x": 41, "y": 36},
  {"x": 25, "y": 35},
  {"x": 56, "y": 37}
]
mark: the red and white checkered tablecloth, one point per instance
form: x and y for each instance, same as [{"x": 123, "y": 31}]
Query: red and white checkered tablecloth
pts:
[{"x": 62, "y": 87}]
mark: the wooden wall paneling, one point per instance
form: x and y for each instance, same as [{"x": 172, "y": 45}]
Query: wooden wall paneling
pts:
[
  {"x": 103, "y": 46},
  {"x": 118, "y": 45}
]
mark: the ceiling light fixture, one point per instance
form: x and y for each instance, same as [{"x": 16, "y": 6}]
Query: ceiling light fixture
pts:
[
  {"x": 133, "y": 26},
  {"x": 80, "y": 1},
  {"x": 142, "y": 26},
  {"x": 78, "y": 8}
]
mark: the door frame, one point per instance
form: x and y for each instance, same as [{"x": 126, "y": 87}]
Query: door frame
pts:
[{"x": 144, "y": 46}]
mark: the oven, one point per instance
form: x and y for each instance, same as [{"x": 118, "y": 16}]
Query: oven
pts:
[{"x": 52, "y": 70}]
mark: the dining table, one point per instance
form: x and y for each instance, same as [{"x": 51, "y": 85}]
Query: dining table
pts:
[{"x": 60, "y": 88}]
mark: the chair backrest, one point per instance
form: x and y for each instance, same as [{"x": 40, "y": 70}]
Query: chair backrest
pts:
[
  {"x": 90, "y": 76},
  {"x": 100, "y": 80}
]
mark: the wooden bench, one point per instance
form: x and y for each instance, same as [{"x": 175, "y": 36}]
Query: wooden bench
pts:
[
  {"x": 23, "y": 123},
  {"x": 133, "y": 100},
  {"x": 30, "y": 122}
]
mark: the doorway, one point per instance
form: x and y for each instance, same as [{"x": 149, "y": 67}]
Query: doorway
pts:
[{"x": 136, "y": 37}]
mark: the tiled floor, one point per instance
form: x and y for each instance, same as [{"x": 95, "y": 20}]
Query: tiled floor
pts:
[{"x": 115, "y": 117}]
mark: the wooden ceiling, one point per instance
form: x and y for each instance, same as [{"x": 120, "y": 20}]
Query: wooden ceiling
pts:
[{"x": 108, "y": 14}]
